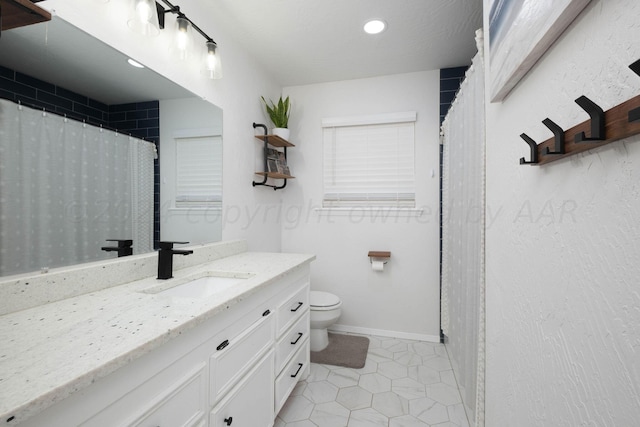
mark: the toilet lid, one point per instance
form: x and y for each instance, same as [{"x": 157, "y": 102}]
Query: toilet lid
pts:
[{"x": 322, "y": 299}]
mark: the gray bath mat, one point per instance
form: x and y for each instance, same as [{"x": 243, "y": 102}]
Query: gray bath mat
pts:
[{"x": 349, "y": 351}]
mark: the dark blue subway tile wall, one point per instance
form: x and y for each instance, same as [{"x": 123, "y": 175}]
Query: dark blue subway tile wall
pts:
[
  {"x": 450, "y": 80},
  {"x": 36, "y": 93},
  {"x": 141, "y": 119}
]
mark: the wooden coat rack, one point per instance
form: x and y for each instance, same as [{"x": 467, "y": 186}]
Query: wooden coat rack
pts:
[{"x": 602, "y": 128}]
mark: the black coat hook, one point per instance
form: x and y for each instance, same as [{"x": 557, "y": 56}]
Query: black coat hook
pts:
[
  {"x": 597, "y": 121},
  {"x": 558, "y": 137},
  {"x": 534, "y": 150},
  {"x": 635, "y": 67}
]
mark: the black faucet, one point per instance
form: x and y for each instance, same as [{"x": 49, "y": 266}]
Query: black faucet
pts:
[
  {"x": 124, "y": 247},
  {"x": 165, "y": 258}
]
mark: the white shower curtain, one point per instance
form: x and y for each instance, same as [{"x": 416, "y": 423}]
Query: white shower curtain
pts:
[
  {"x": 463, "y": 199},
  {"x": 66, "y": 187}
]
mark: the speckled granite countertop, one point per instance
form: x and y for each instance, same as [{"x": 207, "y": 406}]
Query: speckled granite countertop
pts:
[{"x": 49, "y": 351}]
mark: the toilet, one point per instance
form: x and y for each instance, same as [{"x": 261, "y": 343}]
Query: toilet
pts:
[{"x": 325, "y": 311}]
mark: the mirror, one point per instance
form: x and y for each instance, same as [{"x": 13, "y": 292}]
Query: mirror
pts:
[{"x": 60, "y": 54}]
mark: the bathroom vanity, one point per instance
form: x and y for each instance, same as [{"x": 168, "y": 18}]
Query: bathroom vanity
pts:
[{"x": 157, "y": 352}]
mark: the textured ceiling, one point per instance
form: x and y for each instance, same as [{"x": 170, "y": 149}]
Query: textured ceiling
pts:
[{"x": 303, "y": 42}]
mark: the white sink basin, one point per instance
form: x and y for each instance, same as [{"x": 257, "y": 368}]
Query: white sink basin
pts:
[{"x": 201, "y": 287}]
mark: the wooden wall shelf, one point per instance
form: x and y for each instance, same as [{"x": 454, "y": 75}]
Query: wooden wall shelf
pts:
[
  {"x": 278, "y": 142},
  {"x": 275, "y": 175},
  {"x": 18, "y": 13},
  {"x": 275, "y": 140},
  {"x": 619, "y": 124}
]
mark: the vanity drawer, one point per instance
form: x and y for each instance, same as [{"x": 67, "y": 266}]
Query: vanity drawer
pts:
[
  {"x": 292, "y": 309},
  {"x": 180, "y": 405},
  {"x": 294, "y": 371},
  {"x": 235, "y": 355},
  {"x": 291, "y": 341},
  {"x": 175, "y": 396}
]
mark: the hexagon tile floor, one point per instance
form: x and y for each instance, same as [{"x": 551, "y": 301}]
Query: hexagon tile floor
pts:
[{"x": 404, "y": 383}]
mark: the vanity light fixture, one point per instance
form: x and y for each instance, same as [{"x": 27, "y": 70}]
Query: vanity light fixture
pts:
[
  {"x": 183, "y": 37},
  {"x": 144, "y": 17},
  {"x": 375, "y": 26},
  {"x": 212, "y": 67},
  {"x": 145, "y": 20}
]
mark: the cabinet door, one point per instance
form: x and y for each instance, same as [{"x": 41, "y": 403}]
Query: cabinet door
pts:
[
  {"x": 250, "y": 403},
  {"x": 181, "y": 405},
  {"x": 235, "y": 355}
]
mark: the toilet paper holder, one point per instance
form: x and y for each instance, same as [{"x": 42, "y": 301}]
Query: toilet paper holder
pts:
[{"x": 379, "y": 255}]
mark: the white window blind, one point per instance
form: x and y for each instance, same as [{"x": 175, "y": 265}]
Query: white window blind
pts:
[
  {"x": 199, "y": 171},
  {"x": 369, "y": 164}
]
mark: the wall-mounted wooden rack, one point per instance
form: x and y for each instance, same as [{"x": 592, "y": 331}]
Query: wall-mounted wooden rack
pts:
[
  {"x": 274, "y": 141},
  {"x": 18, "y": 13},
  {"x": 602, "y": 128},
  {"x": 275, "y": 175},
  {"x": 617, "y": 126}
]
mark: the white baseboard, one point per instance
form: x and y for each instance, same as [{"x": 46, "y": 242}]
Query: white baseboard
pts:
[{"x": 384, "y": 333}]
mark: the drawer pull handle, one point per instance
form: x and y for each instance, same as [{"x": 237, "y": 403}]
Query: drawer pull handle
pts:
[
  {"x": 266, "y": 313},
  {"x": 222, "y": 345},
  {"x": 297, "y": 339},
  {"x": 298, "y": 371},
  {"x": 300, "y": 304},
  {"x": 228, "y": 421}
]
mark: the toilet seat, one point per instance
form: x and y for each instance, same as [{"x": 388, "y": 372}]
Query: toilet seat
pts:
[{"x": 319, "y": 300}]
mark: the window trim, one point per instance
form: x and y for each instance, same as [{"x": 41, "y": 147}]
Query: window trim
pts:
[{"x": 371, "y": 119}]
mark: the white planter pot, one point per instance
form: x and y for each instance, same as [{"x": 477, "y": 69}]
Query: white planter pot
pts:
[{"x": 282, "y": 133}]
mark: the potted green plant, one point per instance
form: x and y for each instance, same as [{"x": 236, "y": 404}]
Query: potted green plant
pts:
[{"x": 279, "y": 115}]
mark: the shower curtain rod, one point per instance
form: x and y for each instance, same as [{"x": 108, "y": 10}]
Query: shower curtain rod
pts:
[{"x": 44, "y": 109}]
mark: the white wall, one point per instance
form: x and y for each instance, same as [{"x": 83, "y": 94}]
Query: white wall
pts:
[
  {"x": 563, "y": 241},
  {"x": 238, "y": 94},
  {"x": 404, "y": 299}
]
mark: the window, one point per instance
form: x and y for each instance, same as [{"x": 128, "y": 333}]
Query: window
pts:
[
  {"x": 369, "y": 161},
  {"x": 199, "y": 172}
]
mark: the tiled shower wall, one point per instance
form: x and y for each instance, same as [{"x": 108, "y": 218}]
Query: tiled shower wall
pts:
[
  {"x": 450, "y": 80},
  {"x": 141, "y": 119}
]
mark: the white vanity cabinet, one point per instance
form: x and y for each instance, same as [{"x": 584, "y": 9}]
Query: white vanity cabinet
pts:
[
  {"x": 250, "y": 403},
  {"x": 235, "y": 369},
  {"x": 233, "y": 356}
]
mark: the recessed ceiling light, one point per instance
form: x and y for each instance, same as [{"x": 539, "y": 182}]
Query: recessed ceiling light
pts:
[
  {"x": 135, "y": 63},
  {"x": 375, "y": 26}
]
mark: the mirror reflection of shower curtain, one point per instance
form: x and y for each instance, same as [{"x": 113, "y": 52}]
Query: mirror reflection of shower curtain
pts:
[
  {"x": 66, "y": 187},
  {"x": 463, "y": 201}
]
